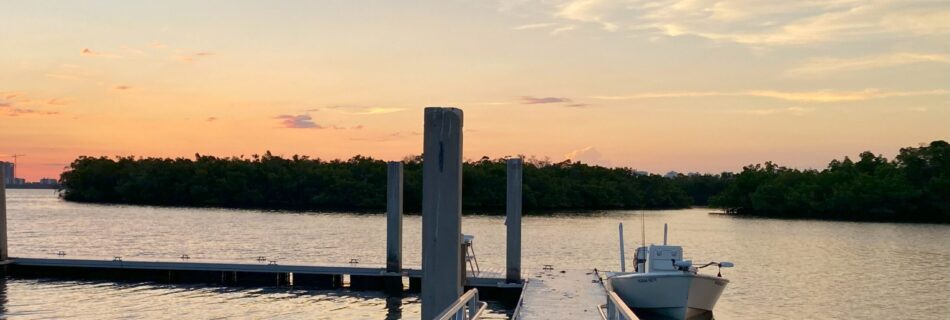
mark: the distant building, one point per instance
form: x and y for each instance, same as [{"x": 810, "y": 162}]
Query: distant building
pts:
[
  {"x": 8, "y": 171},
  {"x": 671, "y": 174},
  {"x": 19, "y": 181},
  {"x": 49, "y": 181}
]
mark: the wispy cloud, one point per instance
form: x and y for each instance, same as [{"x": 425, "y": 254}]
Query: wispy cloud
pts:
[
  {"x": 588, "y": 155},
  {"x": 363, "y": 110},
  {"x": 754, "y": 23},
  {"x": 211, "y": 119},
  {"x": 122, "y": 87},
  {"x": 593, "y": 11},
  {"x": 543, "y": 100},
  {"x": 839, "y": 96},
  {"x": 795, "y": 111},
  {"x": 192, "y": 57},
  {"x": 796, "y": 96},
  {"x": 13, "y": 104},
  {"x": 57, "y": 102},
  {"x": 379, "y": 110},
  {"x": 534, "y": 26},
  {"x": 91, "y": 53},
  {"x": 834, "y": 65},
  {"x": 14, "y": 112},
  {"x": 301, "y": 121},
  {"x": 562, "y": 30}
]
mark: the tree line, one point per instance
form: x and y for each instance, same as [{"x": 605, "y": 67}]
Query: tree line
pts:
[
  {"x": 915, "y": 186},
  {"x": 300, "y": 183}
]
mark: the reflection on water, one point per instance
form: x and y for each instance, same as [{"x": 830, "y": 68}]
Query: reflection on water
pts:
[
  {"x": 784, "y": 269},
  {"x": 3, "y": 296},
  {"x": 393, "y": 308},
  {"x": 99, "y": 300},
  {"x": 57, "y": 299}
]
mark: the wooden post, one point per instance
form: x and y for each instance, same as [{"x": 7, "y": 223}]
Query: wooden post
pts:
[{"x": 441, "y": 210}]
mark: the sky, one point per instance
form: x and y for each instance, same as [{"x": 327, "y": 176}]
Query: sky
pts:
[{"x": 690, "y": 86}]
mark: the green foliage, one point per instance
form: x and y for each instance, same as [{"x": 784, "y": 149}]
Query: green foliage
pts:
[
  {"x": 915, "y": 186},
  {"x": 702, "y": 187},
  {"x": 300, "y": 183}
]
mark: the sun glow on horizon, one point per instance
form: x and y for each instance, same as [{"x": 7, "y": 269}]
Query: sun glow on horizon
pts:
[{"x": 672, "y": 85}]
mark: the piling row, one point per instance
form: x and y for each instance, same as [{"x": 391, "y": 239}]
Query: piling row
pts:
[{"x": 443, "y": 276}]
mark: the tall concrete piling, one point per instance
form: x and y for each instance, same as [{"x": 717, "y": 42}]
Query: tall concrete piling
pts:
[
  {"x": 513, "y": 222},
  {"x": 4, "y": 255},
  {"x": 441, "y": 210},
  {"x": 394, "y": 226}
]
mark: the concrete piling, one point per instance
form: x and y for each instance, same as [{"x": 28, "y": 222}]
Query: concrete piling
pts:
[
  {"x": 441, "y": 210},
  {"x": 4, "y": 255},
  {"x": 513, "y": 222},
  {"x": 394, "y": 217},
  {"x": 394, "y": 196}
]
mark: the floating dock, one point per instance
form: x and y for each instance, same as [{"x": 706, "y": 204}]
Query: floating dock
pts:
[
  {"x": 562, "y": 294},
  {"x": 354, "y": 276},
  {"x": 568, "y": 294}
]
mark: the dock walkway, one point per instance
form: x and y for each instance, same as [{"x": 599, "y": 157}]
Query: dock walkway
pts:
[
  {"x": 562, "y": 294},
  {"x": 546, "y": 293}
]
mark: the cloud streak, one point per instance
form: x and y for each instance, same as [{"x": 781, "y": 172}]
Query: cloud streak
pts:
[
  {"x": 754, "y": 23},
  {"x": 91, "y": 53},
  {"x": 362, "y": 110},
  {"x": 822, "y": 66},
  {"x": 534, "y": 26},
  {"x": 796, "y": 96},
  {"x": 301, "y": 121},
  {"x": 543, "y": 100},
  {"x": 588, "y": 155},
  {"x": 795, "y": 111},
  {"x": 13, "y": 104},
  {"x": 192, "y": 57}
]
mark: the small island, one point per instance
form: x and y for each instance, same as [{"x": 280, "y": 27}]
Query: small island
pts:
[{"x": 913, "y": 187}]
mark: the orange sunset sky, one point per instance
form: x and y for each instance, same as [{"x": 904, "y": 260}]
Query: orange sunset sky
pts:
[{"x": 655, "y": 85}]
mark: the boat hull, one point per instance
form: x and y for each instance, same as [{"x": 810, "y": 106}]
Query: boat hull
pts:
[{"x": 669, "y": 296}]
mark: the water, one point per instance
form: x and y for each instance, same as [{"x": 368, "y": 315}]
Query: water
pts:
[{"x": 784, "y": 269}]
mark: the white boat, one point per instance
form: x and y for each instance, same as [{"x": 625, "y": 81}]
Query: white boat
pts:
[{"x": 666, "y": 286}]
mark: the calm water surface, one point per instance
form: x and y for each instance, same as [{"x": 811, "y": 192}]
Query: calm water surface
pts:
[{"x": 784, "y": 269}]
